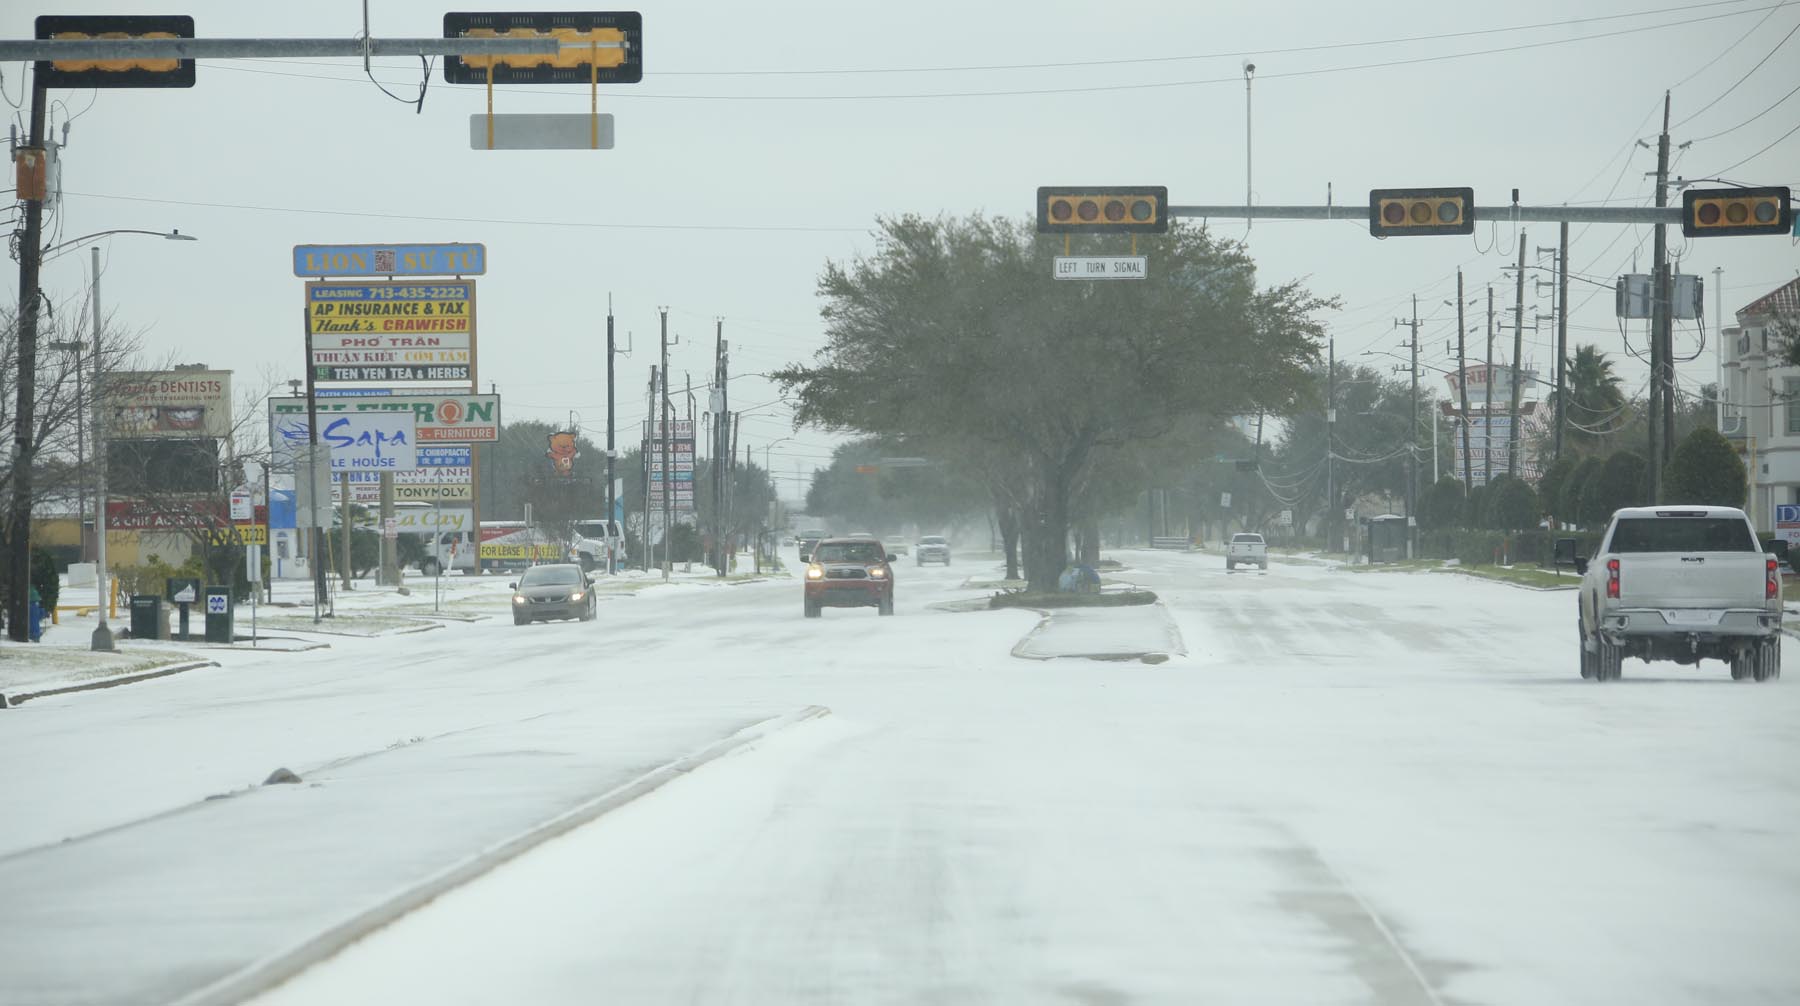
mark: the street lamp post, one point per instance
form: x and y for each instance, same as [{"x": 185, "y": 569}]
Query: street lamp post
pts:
[{"x": 75, "y": 347}]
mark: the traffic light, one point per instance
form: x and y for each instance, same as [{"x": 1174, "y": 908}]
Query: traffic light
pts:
[
  {"x": 1103, "y": 209},
  {"x": 133, "y": 72},
  {"x": 1709, "y": 213},
  {"x": 1421, "y": 211},
  {"x": 575, "y": 64}
]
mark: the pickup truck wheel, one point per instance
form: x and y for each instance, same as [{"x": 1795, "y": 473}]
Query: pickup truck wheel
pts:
[
  {"x": 812, "y": 609},
  {"x": 1229, "y": 565},
  {"x": 1609, "y": 661},
  {"x": 428, "y": 567},
  {"x": 886, "y": 607},
  {"x": 1741, "y": 663},
  {"x": 1768, "y": 661},
  {"x": 1587, "y": 659}
]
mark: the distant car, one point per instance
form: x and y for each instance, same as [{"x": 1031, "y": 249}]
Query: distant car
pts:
[
  {"x": 805, "y": 542},
  {"x": 895, "y": 544},
  {"x": 932, "y": 548},
  {"x": 861, "y": 534},
  {"x": 555, "y": 590},
  {"x": 849, "y": 573},
  {"x": 1247, "y": 549}
]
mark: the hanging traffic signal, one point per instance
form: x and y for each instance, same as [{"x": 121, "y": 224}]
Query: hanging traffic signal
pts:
[
  {"x": 1421, "y": 211},
  {"x": 130, "y": 72},
  {"x": 1709, "y": 213},
  {"x": 579, "y": 62},
  {"x": 1103, "y": 209}
]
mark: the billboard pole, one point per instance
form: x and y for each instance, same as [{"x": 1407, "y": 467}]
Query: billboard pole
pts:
[{"x": 313, "y": 544}]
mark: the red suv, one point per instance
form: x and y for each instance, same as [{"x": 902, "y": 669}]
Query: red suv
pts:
[{"x": 849, "y": 573}]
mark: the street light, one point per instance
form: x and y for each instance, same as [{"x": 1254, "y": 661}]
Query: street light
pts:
[
  {"x": 174, "y": 235},
  {"x": 103, "y": 637},
  {"x": 75, "y": 348}
]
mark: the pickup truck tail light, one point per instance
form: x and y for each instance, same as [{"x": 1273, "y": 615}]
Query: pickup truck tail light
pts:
[
  {"x": 1612, "y": 578},
  {"x": 1771, "y": 580}
]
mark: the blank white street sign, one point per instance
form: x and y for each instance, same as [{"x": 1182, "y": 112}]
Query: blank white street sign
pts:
[
  {"x": 532, "y": 131},
  {"x": 1101, "y": 266}
]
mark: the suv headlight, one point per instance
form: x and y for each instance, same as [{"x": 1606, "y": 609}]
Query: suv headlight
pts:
[
  {"x": 576, "y": 596},
  {"x": 815, "y": 572},
  {"x": 518, "y": 598},
  {"x": 878, "y": 573}
]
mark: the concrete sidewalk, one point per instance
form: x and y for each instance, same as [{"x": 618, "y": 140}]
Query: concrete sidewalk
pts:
[{"x": 1137, "y": 632}]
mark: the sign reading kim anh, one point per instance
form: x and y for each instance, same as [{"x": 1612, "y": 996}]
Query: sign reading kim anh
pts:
[{"x": 390, "y": 260}]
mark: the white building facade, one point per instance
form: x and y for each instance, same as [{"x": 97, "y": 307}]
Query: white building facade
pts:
[{"x": 1760, "y": 414}]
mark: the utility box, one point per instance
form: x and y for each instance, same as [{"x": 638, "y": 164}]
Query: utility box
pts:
[
  {"x": 1388, "y": 537},
  {"x": 149, "y": 617},
  {"x": 219, "y": 614}
]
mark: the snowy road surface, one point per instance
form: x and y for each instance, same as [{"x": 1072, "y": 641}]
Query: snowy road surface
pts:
[{"x": 1352, "y": 788}]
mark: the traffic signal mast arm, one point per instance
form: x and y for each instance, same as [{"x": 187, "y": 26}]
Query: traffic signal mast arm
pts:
[
  {"x": 1497, "y": 214},
  {"x": 121, "y": 49}
]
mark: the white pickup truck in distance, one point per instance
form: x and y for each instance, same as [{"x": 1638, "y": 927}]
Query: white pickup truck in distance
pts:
[
  {"x": 1246, "y": 549},
  {"x": 1680, "y": 583}
]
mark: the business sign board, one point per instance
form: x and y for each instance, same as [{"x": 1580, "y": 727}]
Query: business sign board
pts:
[
  {"x": 433, "y": 520},
  {"x": 1490, "y": 444},
  {"x": 1787, "y": 522},
  {"x": 393, "y": 316},
  {"x": 1501, "y": 379},
  {"x": 439, "y": 420},
  {"x": 174, "y": 403},
  {"x": 370, "y": 442},
  {"x": 676, "y": 466},
  {"x": 428, "y": 492},
  {"x": 390, "y": 260},
  {"x": 398, "y": 373},
  {"x": 134, "y": 515},
  {"x": 240, "y": 534}
]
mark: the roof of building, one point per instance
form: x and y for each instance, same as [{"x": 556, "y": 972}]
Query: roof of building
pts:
[{"x": 1784, "y": 299}]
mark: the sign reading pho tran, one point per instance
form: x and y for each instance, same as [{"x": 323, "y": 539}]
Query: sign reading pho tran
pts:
[
  {"x": 437, "y": 419},
  {"x": 176, "y": 403}
]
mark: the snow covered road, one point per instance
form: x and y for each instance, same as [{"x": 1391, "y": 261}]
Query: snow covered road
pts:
[{"x": 1354, "y": 787}]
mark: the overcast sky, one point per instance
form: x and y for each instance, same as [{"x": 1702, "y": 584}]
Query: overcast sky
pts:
[{"x": 766, "y": 138}]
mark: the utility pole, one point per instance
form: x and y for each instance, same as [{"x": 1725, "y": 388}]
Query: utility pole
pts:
[
  {"x": 612, "y": 450},
  {"x": 720, "y": 406},
  {"x": 1719, "y": 348},
  {"x": 1412, "y": 437},
  {"x": 1512, "y": 433},
  {"x": 103, "y": 638},
  {"x": 1249, "y": 71},
  {"x": 668, "y": 467},
  {"x": 646, "y": 453},
  {"x": 1331, "y": 507},
  {"x": 1562, "y": 335},
  {"x": 731, "y": 468},
  {"x": 1487, "y": 399},
  {"x": 1659, "y": 321},
  {"x": 1462, "y": 384},
  {"x": 18, "y": 558},
  {"x": 1412, "y": 454},
  {"x": 318, "y": 540}
]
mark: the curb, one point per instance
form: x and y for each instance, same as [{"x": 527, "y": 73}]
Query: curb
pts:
[
  {"x": 1179, "y": 647},
  {"x": 261, "y": 976},
  {"x": 7, "y": 701},
  {"x": 1507, "y": 583}
]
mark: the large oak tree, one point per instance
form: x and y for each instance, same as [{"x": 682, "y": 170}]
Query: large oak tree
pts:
[{"x": 954, "y": 330}]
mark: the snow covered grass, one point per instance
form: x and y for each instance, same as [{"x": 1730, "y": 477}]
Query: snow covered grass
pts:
[{"x": 70, "y": 661}]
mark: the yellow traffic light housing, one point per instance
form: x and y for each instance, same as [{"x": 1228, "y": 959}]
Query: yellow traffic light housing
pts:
[
  {"x": 1709, "y": 213},
  {"x": 1421, "y": 211},
  {"x": 133, "y": 72},
  {"x": 1103, "y": 209},
  {"x": 605, "y": 47}
]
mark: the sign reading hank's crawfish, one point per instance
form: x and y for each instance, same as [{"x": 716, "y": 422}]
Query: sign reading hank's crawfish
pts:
[{"x": 390, "y": 316}]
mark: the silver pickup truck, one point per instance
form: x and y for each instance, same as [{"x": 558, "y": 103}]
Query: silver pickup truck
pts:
[
  {"x": 1246, "y": 548},
  {"x": 1680, "y": 583}
]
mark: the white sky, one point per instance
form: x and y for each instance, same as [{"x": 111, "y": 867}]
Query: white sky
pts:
[{"x": 731, "y": 185}]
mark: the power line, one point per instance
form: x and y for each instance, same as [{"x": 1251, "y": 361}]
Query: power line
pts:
[
  {"x": 1759, "y": 153},
  {"x": 577, "y": 224},
  {"x": 1101, "y": 88},
  {"x": 1778, "y": 102},
  {"x": 1747, "y": 74},
  {"x": 1728, "y": 50}
]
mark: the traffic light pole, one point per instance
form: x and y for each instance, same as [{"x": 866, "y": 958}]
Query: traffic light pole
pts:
[{"x": 1503, "y": 213}]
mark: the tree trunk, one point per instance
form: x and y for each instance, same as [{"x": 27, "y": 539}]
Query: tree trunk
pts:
[
  {"x": 1047, "y": 536},
  {"x": 1090, "y": 542},
  {"x": 1008, "y": 518}
]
